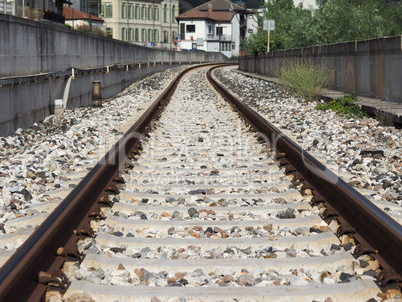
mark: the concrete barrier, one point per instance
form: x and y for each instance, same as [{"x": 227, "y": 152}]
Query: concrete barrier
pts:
[
  {"x": 36, "y": 59},
  {"x": 372, "y": 67}
]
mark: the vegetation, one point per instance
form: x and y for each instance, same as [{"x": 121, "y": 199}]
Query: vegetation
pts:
[
  {"x": 303, "y": 79},
  {"x": 249, "y": 3},
  {"x": 96, "y": 30},
  {"x": 332, "y": 22},
  {"x": 256, "y": 43},
  {"x": 345, "y": 105}
]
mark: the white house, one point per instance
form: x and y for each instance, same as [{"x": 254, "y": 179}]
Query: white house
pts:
[
  {"x": 306, "y": 3},
  {"x": 218, "y": 25},
  {"x": 74, "y": 18}
]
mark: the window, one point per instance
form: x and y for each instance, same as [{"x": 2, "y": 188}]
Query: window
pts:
[
  {"x": 165, "y": 36},
  {"x": 143, "y": 13},
  {"x": 109, "y": 32},
  {"x": 165, "y": 13},
  {"x": 131, "y": 11},
  {"x": 124, "y": 11},
  {"x": 137, "y": 35},
  {"x": 225, "y": 46},
  {"x": 143, "y": 35},
  {"x": 156, "y": 35},
  {"x": 150, "y": 35},
  {"x": 182, "y": 31},
  {"x": 173, "y": 35},
  {"x": 130, "y": 34},
  {"x": 190, "y": 28},
  {"x": 173, "y": 14},
  {"x": 149, "y": 13},
  {"x": 219, "y": 31},
  {"x": 123, "y": 34},
  {"x": 137, "y": 11},
  {"x": 107, "y": 10},
  {"x": 156, "y": 14},
  {"x": 210, "y": 29}
]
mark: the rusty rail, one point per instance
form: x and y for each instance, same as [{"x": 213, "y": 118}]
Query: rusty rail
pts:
[
  {"x": 374, "y": 231},
  {"x": 43, "y": 254}
]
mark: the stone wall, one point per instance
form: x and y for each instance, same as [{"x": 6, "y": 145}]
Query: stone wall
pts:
[
  {"x": 373, "y": 67},
  {"x": 36, "y": 59}
]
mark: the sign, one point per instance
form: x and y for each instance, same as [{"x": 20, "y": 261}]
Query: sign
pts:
[
  {"x": 269, "y": 25},
  {"x": 177, "y": 38},
  {"x": 145, "y": 44},
  {"x": 152, "y": 44},
  {"x": 200, "y": 41}
]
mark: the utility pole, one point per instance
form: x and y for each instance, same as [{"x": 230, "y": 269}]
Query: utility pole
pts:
[{"x": 269, "y": 29}]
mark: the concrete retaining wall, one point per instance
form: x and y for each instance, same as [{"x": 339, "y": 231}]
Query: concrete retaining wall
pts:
[
  {"x": 372, "y": 67},
  {"x": 37, "y": 58}
]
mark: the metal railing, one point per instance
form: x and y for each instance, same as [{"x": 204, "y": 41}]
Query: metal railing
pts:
[
  {"x": 26, "y": 12},
  {"x": 219, "y": 37}
]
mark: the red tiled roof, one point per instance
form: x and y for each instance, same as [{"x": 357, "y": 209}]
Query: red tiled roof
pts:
[
  {"x": 220, "y": 5},
  {"x": 221, "y": 16},
  {"x": 215, "y": 15},
  {"x": 193, "y": 14},
  {"x": 78, "y": 15}
]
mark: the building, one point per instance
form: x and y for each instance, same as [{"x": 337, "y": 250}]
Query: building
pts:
[
  {"x": 37, "y": 10},
  {"x": 306, "y": 3},
  {"x": 151, "y": 23},
  {"x": 218, "y": 25},
  {"x": 252, "y": 20},
  {"x": 74, "y": 18},
  {"x": 92, "y": 7}
]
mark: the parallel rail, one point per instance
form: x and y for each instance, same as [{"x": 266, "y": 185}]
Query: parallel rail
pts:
[
  {"x": 47, "y": 248},
  {"x": 19, "y": 275},
  {"x": 373, "y": 230}
]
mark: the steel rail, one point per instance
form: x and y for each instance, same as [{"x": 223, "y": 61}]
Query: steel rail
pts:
[
  {"x": 375, "y": 231},
  {"x": 19, "y": 275}
]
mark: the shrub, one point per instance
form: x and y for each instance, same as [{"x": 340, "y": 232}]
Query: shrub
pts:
[
  {"x": 345, "y": 105},
  {"x": 304, "y": 80},
  {"x": 96, "y": 30}
]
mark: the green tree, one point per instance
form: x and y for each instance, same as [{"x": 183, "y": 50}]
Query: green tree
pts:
[
  {"x": 257, "y": 42},
  {"x": 332, "y": 22},
  {"x": 393, "y": 15},
  {"x": 346, "y": 20},
  {"x": 280, "y": 11}
]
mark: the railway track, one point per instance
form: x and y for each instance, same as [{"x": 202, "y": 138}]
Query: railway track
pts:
[{"x": 210, "y": 205}]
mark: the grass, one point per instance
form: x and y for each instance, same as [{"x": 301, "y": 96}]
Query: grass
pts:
[
  {"x": 304, "y": 80},
  {"x": 345, "y": 105}
]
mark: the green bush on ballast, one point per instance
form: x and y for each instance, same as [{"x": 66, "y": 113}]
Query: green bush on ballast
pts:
[
  {"x": 304, "y": 80},
  {"x": 345, "y": 105}
]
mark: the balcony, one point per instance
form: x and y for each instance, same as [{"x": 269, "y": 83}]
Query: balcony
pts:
[
  {"x": 219, "y": 37},
  {"x": 7, "y": 7}
]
